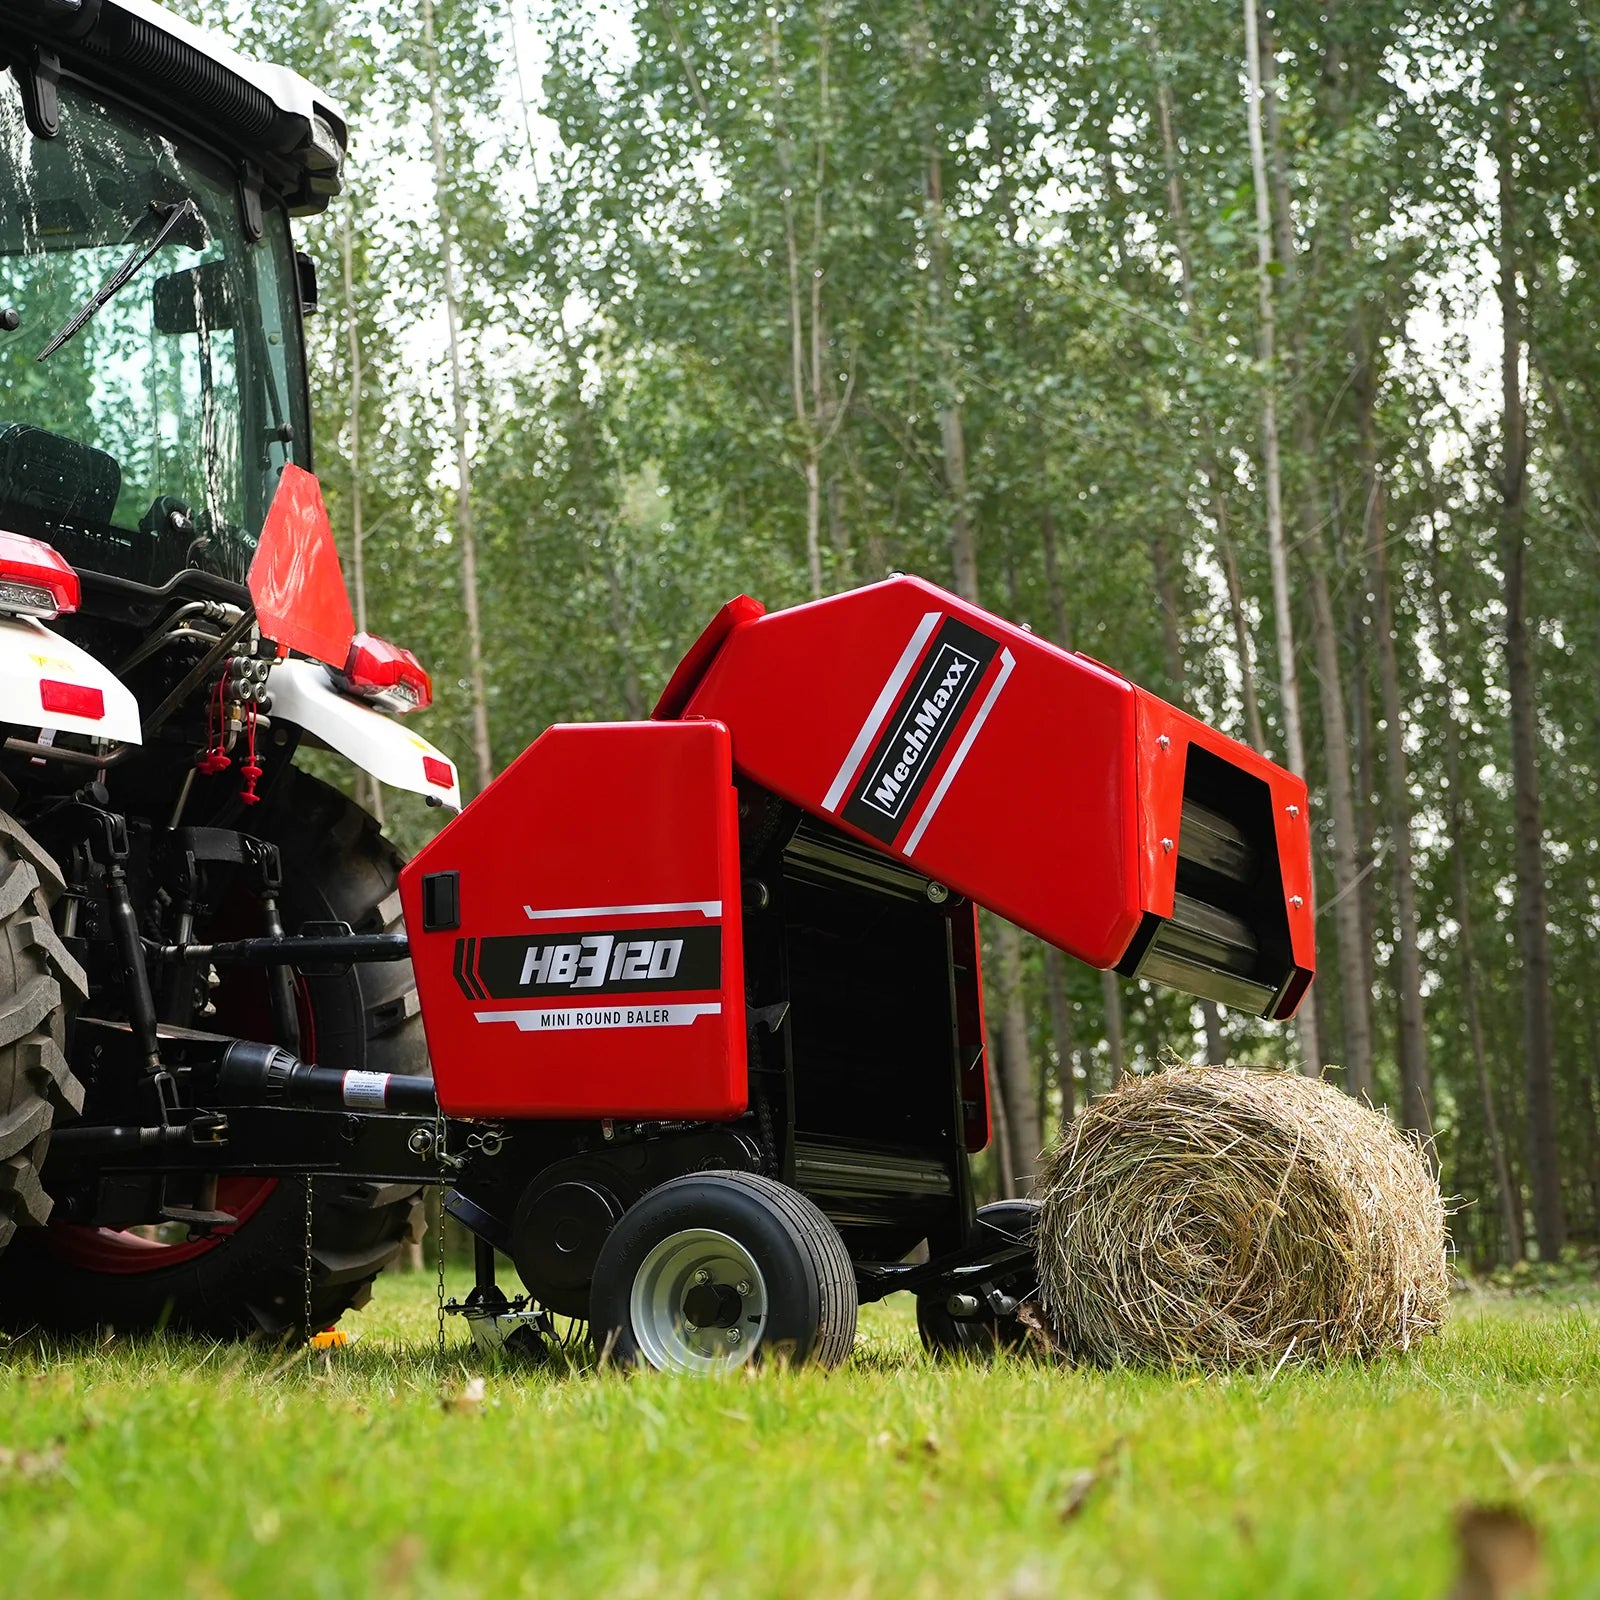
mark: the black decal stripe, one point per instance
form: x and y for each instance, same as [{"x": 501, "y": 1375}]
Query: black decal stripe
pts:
[{"x": 458, "y": 969}]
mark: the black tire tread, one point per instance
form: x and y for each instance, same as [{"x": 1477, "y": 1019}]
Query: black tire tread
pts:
[
  {"x": 38, "y": 980},
  {"x": 254, "y": 1283},
  {"x": 838, "y": 1305}
]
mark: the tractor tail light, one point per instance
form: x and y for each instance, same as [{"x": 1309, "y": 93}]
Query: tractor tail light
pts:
[
  {"x": 35, "y": 581},
  {"x": 386, "y": 675}
]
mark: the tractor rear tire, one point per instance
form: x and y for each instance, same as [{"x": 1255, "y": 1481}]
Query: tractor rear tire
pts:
[
  {"x": 250, "y": 1280},
  {"x": 980, "y": 1337},
  {"x": 38, "y": 981},
  {"x": 717, "y": 1269}
]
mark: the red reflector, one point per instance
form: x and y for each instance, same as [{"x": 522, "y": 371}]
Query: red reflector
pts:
[
  {"x": 438, "y": 772},
  {"x": 31, "y": 564},
  {"x": 387, "y": 673},
  {"x": 73, "y": 699}
]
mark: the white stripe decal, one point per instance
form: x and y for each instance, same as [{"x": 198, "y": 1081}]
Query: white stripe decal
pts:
[
  {"x": 880, "y": 710},
  {"x": 711, "y": 910},
  {"x": 1007, "y": 662},
  {"x": 571, "y": 1019}
]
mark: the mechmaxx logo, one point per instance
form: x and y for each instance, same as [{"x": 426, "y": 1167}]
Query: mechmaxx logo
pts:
[
  {"x": 921, "y": 724},
  {"x": 892, "y": 781}
]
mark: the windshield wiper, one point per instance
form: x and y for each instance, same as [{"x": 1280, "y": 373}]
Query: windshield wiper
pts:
[{"x": 171, "y": 217}]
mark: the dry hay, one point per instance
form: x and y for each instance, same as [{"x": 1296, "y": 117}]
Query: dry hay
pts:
[{"x": 1214, "y": 1216}]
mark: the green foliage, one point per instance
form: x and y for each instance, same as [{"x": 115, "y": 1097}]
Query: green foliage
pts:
[{"x": 736, "y": 275}]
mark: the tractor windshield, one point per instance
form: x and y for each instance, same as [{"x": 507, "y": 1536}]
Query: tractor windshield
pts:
[{"x": 151, "y": 385}]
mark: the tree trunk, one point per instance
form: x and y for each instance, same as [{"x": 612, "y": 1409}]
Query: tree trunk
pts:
[
  {"x": 1167, "y": 597},
  {"x": 1178, "y": 212},
  {"x": 1509, "y": 1195},
  {"x": 1055, "y": 981},
  {"x": 1589, "y": 1106},
  {"x": 1416, "y": 1081},
  {"x": 1002, "y": 1127},
  {"x": 952, "y": 426},
  {"x": 466, "y": 535},
  {"x": 1021, "y": 1107},
  {"x": 621, "y": 624},
  {"x": 1355, "y": 990},
  {"x": 1116, "y": 1054},
  {"x": 1364, "y": 764},
  {"x": 367, "y": 788},
  {"x": 1277, "y": 552},
  {"x": 1061, "y": 631},
  {"x": 1055, "y": 590},
  {"x": 839, "y": 534},
  {"x": 810, "y": 421},
  {"x": 1241, "y": 625},
  {"x": 1544, "y": 1166}
]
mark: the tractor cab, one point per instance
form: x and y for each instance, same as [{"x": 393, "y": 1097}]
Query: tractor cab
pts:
[{"x": 152, "y": 369}]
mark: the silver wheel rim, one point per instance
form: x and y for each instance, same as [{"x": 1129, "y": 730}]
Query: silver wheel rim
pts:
[{"x": 688, "y": 1270}]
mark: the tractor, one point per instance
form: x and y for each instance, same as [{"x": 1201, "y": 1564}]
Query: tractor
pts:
[{"x": 683, "y": 1016}]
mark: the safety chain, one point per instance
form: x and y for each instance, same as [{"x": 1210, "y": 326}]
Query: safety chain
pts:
[
  {"x": 438, "y": 1145},
  {"x": 308, "y": 1256}
]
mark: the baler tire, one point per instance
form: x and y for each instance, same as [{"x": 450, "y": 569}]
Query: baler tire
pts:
[
  {"x": 982, "y": 1337},
  {"x": 39, "y": 981},
  {"x": 251, "y": 1280},
  {"x": 808, "y": 1279}
]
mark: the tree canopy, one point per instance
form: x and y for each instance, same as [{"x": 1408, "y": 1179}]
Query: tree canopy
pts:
[{"x": 704, "y": 296}]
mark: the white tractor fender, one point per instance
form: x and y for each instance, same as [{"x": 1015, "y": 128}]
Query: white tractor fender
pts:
[
  {"x": 49, "y": 685},
  {"x": 303, "y": 694}
]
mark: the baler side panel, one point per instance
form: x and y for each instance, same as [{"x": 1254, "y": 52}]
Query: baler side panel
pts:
[
  {"x": 1271, "y": 814},
  {"x": 1161, "y": 795},
  {"x": 824, "y": 702},
  {"x": 595, "y": 965}
]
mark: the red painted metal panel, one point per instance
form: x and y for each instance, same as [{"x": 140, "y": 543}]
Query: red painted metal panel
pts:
[
  {"x": 1161, "y": 774},
  {"x": 687, "y": 674},
  {"x": 597, "y": 969},
  {"x": 295, "y": 579},
  {"x": 988, "y": 758}
]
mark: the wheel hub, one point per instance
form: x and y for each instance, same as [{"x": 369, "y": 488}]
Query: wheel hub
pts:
[
  {"x": 713, "y": 1305},
  {"x": 698, "y": 1303}
]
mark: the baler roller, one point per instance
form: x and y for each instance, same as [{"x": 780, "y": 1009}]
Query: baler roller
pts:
[{"x": 1208, "y": 840}]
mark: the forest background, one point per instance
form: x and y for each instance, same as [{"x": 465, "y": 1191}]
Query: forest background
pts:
[{"x": 1251, "y": 352}]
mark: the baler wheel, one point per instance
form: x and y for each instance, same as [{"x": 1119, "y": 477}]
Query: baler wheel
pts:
[
  {"x": 983, "y": 1335},
  {"x": 718, "y": 1269}
]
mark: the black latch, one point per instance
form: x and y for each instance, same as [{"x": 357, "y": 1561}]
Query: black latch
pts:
[{"x": 441, "y": 901}]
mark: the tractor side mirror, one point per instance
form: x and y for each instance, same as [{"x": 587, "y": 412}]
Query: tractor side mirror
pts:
[
  {"x": 182, "y": 301},
  {"x": 307, "y": 270}
]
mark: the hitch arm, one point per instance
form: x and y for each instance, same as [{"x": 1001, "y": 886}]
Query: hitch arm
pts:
[{"x": 291, "y": 950}]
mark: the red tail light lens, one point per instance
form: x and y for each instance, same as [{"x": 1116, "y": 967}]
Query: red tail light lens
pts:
[
  {"x": 35, "y": 581},
  {"x": 387, "y": 675}
]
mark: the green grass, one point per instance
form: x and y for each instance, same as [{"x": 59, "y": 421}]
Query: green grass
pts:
[{"x": 176, "y": 1468}]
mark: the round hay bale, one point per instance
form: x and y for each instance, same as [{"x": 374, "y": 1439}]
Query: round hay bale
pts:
[{"x": 1215, "y": 1216}]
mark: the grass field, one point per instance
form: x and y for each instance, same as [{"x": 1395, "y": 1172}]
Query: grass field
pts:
[{"x": 176, "y": 1468}]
